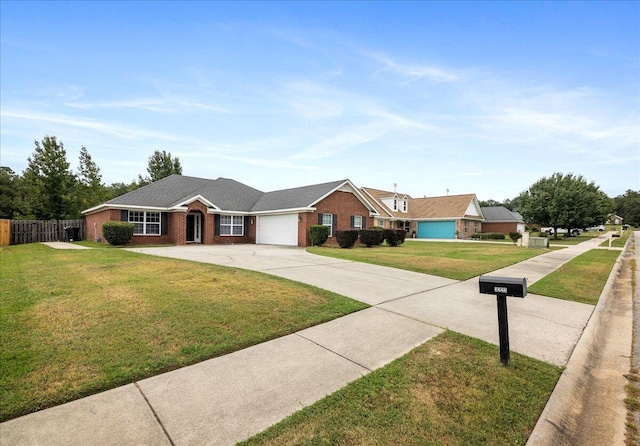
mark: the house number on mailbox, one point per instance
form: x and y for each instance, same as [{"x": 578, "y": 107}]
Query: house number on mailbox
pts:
[{"x": 500, "y": 290}]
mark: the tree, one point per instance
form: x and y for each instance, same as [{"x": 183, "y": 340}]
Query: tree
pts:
[
  {"x": 89, "y": 188},
  {"x": 628, "y": 207},
  {"x": 48, "y": 181},
  {"x": 564, "y": 201},
  {"x": 161, "y": 165},
  {"x": 10, "y": 193},
  {"x": 489, "y": 203}
]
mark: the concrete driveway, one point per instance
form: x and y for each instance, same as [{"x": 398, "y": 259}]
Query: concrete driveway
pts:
[{"x": 540, "y": 327}]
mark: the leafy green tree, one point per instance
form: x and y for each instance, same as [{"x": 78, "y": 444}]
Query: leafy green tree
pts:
[
  {"x": 564, "y": 201},
  {"x": 49, "y": 183},
  {"x": 10, "y": 197},
  {"x": 89, "y": 188},
  {"x": 628, "y": 207},
  {"x": 162, "y": 164},
  {"x": 489, "y": 203}
]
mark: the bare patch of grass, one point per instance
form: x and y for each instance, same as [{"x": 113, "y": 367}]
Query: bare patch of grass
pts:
[
  {"x": 77, "y": 322},
  {"x": 451, "y": 390}
]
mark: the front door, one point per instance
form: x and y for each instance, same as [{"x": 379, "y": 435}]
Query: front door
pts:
[{"x": 194, "y": 228}]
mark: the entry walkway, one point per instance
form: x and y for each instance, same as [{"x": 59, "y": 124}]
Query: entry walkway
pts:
[{"x": 227, "y": 399}]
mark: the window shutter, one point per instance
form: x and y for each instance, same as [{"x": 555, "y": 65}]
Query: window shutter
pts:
[
  {"x": 246, "y": 225},
  {"x": 216, "y": 219},
  {"x": 364, "y": 222},
  {"x": 319, "y": 219},
  {"x": 352, "y": 222},
  {"x": 124, "y": 215},
  {"x": 334, "y": 225},
  {"x": 164, "y": 220}
]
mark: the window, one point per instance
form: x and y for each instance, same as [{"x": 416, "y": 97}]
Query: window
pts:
[
  {"x": 145, "y": 223},
  {"x": 327, "y": 220},
  {"x": 404, "y": 205},
  {"x": 357, "y": 221},
  {"x": 466, "y": 226},
  {"x": 231, "y": 225},
  {"x": 395, "y": 204}
]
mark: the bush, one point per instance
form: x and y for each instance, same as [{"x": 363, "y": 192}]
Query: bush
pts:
[
  {"x": 394, "y": 237},
  {"x": 488, "y": 236},
  {"x": 347, "y": 238},
  {"x": 371, "y": 237},
  {"x": 117, "y": 233},
  {"x": 318, "y": 234},
  {"x": 515, "y": 236}
]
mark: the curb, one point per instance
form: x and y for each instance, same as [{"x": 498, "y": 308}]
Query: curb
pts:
[{"x": 558, "y": 422}]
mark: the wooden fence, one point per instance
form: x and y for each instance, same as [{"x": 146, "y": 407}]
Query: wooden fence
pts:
[
  {"x": 31, "y": 231},
  {"x": 5, "y": 232}
]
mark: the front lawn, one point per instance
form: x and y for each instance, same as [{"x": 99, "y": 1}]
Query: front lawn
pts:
[
  {"x": 581, "y": 279},
  {"x": 459, "y": 261},
  {"x": 75, "y": 322},
  {"x": 452, "y": 390}
]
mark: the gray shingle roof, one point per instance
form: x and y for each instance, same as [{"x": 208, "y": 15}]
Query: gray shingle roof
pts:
[
  {"x": 298, "y": 197},
  {"x": 173, "y": 190},
  {"x": 227, "y": 194},
  {"x": 500, "y": 214}
]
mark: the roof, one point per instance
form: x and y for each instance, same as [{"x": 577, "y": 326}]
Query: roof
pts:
[
  {"x": 224, "y": 194},
  {"x": 450, "y": 206},
  {"x": 495, "y": 214}
]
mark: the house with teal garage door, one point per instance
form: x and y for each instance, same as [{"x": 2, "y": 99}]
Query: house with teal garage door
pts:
[{"x": 444, "y": 217}]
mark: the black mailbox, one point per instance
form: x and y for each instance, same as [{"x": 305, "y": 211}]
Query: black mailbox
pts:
[{"x": 505, "y": 286}]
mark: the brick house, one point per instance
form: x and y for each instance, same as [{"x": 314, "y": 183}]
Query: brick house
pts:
[
  {"x": 445, "y": 217},
  {"x": 179, "y": 210},
  {"x": 502, "y": 220}
]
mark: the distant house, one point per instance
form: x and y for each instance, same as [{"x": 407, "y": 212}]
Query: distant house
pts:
[
  {"x": 445, "y": 217},
  {"x": 502, "y": 220},
  {"x": 180, "y": 209},
  {"x": 614, "y": 219}
]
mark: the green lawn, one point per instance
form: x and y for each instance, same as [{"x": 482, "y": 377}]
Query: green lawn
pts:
[
  {"x": 581, "y": 279},
  {"x": 75, "y": 322},
  {"x": 451, "y": 390},
  {"x": 453, "y": 260}
]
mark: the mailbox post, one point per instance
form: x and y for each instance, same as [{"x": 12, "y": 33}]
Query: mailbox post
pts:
[{"x": 503, "y": 287}]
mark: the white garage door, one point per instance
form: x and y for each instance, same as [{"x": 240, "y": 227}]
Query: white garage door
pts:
[{"x": 278, "y": 230}]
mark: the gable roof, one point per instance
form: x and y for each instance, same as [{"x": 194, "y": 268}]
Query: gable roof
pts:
[
  {"x": 223, "y": 194},
  {"x": 500, "y": 214},
  {"x": 450, "y": 206}
]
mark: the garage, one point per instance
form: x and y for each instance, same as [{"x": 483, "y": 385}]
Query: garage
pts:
[
  {"x": 277, "y": 230},
  {"x": 437, "y": 229}
]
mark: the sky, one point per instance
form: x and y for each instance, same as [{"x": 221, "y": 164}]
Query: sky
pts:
[{"x": 429, "y": 98}]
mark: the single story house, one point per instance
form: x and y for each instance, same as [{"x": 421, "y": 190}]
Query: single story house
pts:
[
  {"x": 502, "y": 220},
  {"x": 614, "y": 219},
  {"x": 180, "y": 209},
  {"x": 445, "y": 217}
]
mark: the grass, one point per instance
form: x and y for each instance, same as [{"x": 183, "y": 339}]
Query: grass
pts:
[
  {"x": 580, "y": 280},
  {"x": 75, "y": 322},
  {"x": 459, "y": 261},
  {"x": 451, "y": 390}
]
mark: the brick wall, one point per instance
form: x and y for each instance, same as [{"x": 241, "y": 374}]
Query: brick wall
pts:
[
  {"x": 503, "y": 228},
  {"x": 343, "y": 204}
]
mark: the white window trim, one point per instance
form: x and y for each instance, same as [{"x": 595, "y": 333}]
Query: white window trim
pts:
[
  {"x": 146, "y": 224},
  {"x": 356, "y": 225},
  {"x": 232, "y": 225},
  {"x": 330, "y": 224}
]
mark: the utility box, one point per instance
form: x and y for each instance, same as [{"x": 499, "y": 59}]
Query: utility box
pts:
[{"x": 504, "y": 286}]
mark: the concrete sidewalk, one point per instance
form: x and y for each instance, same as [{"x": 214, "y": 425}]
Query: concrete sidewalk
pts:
[{"x": 227, "y": 399}]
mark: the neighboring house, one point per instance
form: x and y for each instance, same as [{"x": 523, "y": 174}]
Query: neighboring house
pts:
[
  {"x": 180, "y": 210},
  {"x": 614, "y": 220},
  {"x": 502, "y": 220},
  {"x": 447, "y": 217}
]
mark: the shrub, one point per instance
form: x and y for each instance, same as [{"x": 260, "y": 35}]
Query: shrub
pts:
[
  {"x": 347, "y": 238},
  {"x": 394, "y": 237},
  {"x": 117, "y": 233},
  {"x": 515, "y": 236},
  {"x": 318, "y": 234},
  {"x": 488, "y": 236},
  {"x": 371, "y": 237}
]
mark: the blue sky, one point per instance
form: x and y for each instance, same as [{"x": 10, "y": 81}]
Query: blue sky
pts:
[{"x": 469, "y": 97}]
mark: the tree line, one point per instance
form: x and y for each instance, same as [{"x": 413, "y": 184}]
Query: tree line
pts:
[
  {"x": 570, "y": 201},
  {"x": 48, "y": 189}
]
